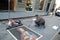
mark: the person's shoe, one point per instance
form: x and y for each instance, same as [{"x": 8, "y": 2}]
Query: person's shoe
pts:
[
  {"x": 37, "y": 25},
  {"x": 7, "y": 28},
  {"x": 59, "y": 33}
]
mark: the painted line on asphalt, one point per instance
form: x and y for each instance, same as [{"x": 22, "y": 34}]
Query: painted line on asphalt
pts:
[
  {"x": 12, "y": 35},
  {"x": 55, "y": 34}
]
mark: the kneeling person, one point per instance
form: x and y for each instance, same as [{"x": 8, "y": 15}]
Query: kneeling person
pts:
[
  {"x": 39, "y": 20},
  {"x": 11, "y": 23}
]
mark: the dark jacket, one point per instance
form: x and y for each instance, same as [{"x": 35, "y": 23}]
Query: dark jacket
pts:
[{"x": 40, "y": 20}]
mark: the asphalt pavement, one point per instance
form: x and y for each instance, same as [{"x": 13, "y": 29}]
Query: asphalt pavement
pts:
[{"x": 47, "y": 32}]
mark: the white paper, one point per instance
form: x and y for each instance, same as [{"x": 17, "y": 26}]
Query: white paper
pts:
[
  {"x": 34, "y": 19},
  {"x": 55, "y": 27}
]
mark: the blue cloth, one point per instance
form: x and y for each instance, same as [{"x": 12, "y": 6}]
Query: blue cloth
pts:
[{"x": 30, "y": 32}]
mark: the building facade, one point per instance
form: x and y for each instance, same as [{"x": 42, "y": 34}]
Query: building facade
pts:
[
  {"x": 41, "y": 5},
  {"x": 28, "y": 5}
]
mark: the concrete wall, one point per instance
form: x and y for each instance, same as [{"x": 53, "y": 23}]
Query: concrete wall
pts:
[
  {"x": 4, "y": 15},
  {"x": 45, "y": 5},
  {"x": 33, "y": 4},
  {"x": 15, "y": 4},
  {"x": 51, "y": 5},
  {"x": 7, "y": 15},
  {"x": 37, "y": 4}
]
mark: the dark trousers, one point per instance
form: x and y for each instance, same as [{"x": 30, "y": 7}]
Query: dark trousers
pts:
[{"x": 38, "y": 23}]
